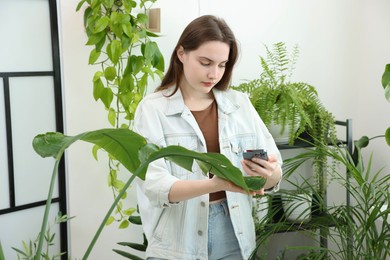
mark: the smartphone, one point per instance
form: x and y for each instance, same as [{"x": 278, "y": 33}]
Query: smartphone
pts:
[{"x": 259, "y": 153}]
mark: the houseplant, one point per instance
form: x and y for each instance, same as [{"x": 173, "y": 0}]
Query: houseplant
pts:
[
  {"x": 294, "y": 106},
  {"x": 361, "y": 228},
  {"x": 127, "y": 59},
  {"x": 356, "y": 233},
  {"x": 135, "y": 154}
]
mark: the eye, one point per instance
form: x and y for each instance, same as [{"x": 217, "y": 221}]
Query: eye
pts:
[
  {"x": 205, "y": 63},
  {"x": 222, "y": 65}
]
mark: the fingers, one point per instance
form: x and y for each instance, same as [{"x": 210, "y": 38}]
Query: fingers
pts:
[
  {"x": 229, "y": 186},
  {"x": 254, "y": 169}
]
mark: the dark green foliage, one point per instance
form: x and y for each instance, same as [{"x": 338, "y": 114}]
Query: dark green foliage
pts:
[
  {"x": 279, "y": 100},
  {"x": 255, "y": 183}
]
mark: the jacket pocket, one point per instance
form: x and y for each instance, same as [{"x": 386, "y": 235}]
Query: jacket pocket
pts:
[
  {"x": 187, "y": 141},
  {"x": 238, "y": 144}
]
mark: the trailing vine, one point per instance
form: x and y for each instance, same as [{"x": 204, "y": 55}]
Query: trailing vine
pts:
[{"x": 127, "y": 59}]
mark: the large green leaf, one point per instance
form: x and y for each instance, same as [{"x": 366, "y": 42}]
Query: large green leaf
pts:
[
  {"x": 125, "y": 146},
  {"x": 122, "y": 144},
  {"x": 216, "y": 163},
  {"x": 51, "y": 144},
  {"x": 128, "y": 147}
]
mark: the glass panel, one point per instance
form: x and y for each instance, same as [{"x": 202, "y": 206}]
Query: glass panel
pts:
[
  {"x": 26, "y": 45},
  {"x": 25, "y": 225},
  {"x": 4, "y": 191},
  {"x": 32, "y": 113}
]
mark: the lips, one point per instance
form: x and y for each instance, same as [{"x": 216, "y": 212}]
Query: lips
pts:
[{"x": 208, "y": 84}]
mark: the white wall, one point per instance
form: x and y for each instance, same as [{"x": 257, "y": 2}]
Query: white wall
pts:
[{"x": 343, "y": 45}]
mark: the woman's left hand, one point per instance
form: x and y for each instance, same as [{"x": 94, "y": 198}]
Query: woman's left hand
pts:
[{"x": 267, "y": 169}]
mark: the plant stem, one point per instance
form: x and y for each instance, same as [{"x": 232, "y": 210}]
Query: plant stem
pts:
[
  {"x": 108, "y": 214},
  {"x": 47, "y": 207},
  {"x": 378, "y": 136}
]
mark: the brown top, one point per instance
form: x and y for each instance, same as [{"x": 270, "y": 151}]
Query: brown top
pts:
[{"x": 208, "y": 123}]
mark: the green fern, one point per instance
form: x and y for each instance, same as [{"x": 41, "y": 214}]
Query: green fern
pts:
[{"x": 292, "y": 105}]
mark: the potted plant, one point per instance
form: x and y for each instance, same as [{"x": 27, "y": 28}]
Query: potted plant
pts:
[
  {"x": 360, "y": 229},
  {"x": 296, "y": 205},
  {"x": 293, "y": 106},
  {"x": 135, "y": 154}
]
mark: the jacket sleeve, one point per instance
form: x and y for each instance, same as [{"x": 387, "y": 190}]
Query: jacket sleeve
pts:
[{"x": 158, "y": 180}]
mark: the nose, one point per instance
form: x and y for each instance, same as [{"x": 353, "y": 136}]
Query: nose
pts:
[{"x": 214, "y": 72}]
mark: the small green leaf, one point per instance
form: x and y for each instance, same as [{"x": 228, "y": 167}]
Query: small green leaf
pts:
[
  {"x": 127, "y": 29},
  {"x": 107, "y": 97},
  {"x": 126, "y": 85},
  {"x": 134, "y": 64},
  {"x": 98, "y": 88},
  {"x": 80, "y": 4},
  {"x": 127, "y": 255},
  {"x": 108, "y": 3},
  {"x": 129, "y": 211},
  {"x": 124, "y": 224},
  {"x": 95, "y": 38},
  {"x": 142, "y": 18},
  {"x": 135, "y": 220},
  {"x": 118, "y": 184},
  {"x": 95, "y": 150},
  {"x": 97, "y": 76},
  {"x": 386, "y": 76},
  {"x": 110, "y": 220},
  {"x": 110, "y": 73},
  {"x": 139, "y": 247},
  {"x": 387, "y": 136},
  {"x": 387, "y": 92},
  {"x": 111, "y": 116},
  {"x": 114, "y": 51},
  {"x": 99, "y": 45},
  {"x": 20, "y": 251},
  {"x": 126, "y": 41},
  {"x": 93, "y": 56},
  {"x": 362, "y": 142},
  {"x": 101, "y": 24}
]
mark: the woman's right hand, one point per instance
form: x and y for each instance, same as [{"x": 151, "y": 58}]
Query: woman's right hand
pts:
[{"x": 222, "y": 184}]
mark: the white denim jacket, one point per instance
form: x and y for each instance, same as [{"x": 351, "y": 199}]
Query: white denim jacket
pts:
[{"x": 179, "y": 230}]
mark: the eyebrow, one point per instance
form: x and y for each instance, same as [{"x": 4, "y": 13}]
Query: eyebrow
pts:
[{"x": 202, "y": 57}]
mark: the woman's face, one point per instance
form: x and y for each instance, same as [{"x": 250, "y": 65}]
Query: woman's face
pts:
[{"x": 203, "y": 67}]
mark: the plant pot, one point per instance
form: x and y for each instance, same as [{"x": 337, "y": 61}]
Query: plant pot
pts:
[
  {"x": 297, "y": 206},
  {"x": 280, "y": 138}
]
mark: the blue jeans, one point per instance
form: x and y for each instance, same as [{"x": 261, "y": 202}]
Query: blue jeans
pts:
[{"x": 222, "y": 242}]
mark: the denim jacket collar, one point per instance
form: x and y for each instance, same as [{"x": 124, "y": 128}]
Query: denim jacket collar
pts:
[{"x": 175, "y": 103}]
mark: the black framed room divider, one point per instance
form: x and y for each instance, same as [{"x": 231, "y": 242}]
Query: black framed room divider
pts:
[{"x": 9, "y": 80}]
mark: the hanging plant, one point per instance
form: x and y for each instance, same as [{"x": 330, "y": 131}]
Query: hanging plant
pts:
[{"x": 127, "y": 60}]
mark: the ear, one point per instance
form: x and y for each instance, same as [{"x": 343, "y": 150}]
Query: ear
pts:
[{"x": 180, "y": 53}]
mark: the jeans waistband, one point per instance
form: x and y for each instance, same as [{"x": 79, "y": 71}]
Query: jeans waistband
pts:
[{"x": 218, "y": 208}]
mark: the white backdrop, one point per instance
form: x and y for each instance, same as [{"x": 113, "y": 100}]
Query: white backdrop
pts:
[{"x": 343, "y": 51}]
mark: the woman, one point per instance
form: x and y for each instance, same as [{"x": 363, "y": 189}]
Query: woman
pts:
[{"x": 187, "y": 215}]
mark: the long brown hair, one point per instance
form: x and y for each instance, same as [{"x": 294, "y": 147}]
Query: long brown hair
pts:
[{"x": 203, "y": 29}]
